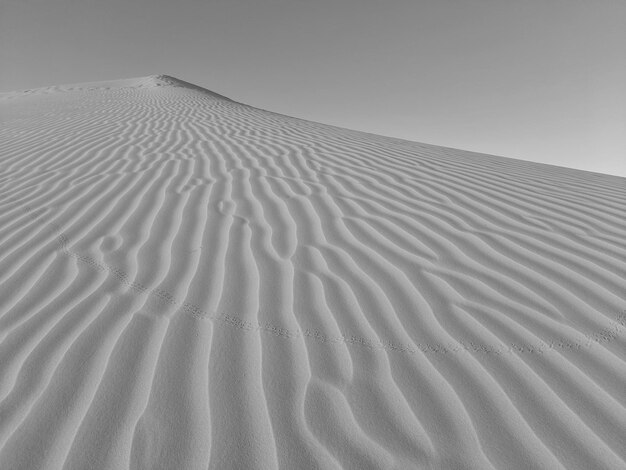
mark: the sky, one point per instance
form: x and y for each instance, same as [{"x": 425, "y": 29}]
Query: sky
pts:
[{"x": 540, "y": 80}]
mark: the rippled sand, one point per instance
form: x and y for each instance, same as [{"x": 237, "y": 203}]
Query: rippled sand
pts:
[{"x": 187, "y": 282}]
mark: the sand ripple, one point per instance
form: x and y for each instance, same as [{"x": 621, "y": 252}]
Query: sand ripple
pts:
[{"x": 187, "y": 282}]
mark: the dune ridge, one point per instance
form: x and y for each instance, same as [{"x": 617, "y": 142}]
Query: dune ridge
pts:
[{"x": 191, "y": 282}]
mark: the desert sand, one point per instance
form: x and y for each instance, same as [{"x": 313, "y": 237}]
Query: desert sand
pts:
[{"x": 187, "y": 282}]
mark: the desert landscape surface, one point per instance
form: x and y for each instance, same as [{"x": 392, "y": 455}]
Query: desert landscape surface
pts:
[{"x": 187, "y": 282}]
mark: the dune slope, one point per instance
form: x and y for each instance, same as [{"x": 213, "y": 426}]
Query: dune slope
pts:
[{"x": 187, "y": 282}]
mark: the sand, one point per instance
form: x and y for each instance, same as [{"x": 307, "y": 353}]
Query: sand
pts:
[{"x": 187, "y": 282}]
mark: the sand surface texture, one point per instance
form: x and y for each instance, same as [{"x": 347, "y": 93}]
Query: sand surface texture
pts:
[{"x": 187, "y": 282}]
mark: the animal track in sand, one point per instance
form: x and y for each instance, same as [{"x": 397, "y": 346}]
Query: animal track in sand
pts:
[{"x": 603, "y": 336}]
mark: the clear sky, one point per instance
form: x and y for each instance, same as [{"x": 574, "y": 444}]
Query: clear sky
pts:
[{"x": 541, "y": 80}]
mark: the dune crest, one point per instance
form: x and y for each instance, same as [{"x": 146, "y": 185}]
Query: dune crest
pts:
[{"x": 188, "y": 282}]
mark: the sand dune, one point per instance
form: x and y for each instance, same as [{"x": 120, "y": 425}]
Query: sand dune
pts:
[{"x": 187, "y": 282}]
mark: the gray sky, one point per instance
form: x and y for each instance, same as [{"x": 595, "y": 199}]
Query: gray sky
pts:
[{"x": 541, "y": 80}]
